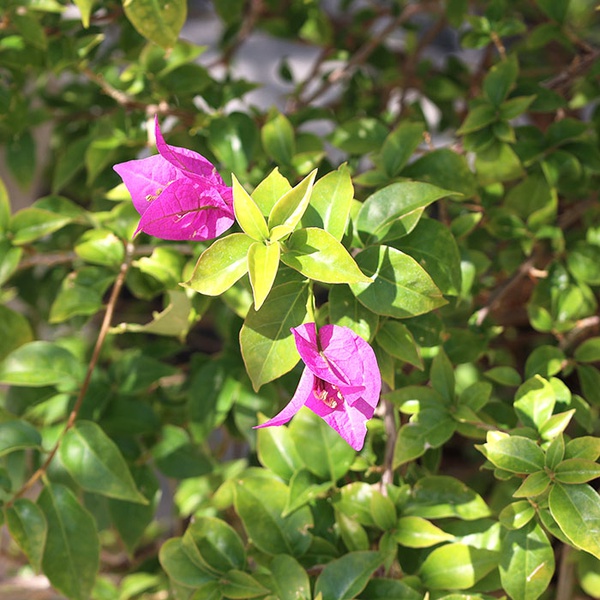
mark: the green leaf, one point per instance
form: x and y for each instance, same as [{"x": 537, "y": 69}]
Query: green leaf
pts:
[
  {"x": 289, "y": 209},
  {"x": 442, "y": 376},
  {"x": 504, "y": 376},
  {"x": 37, "y": 364},
  {"x": 277, "y": 137},
  {"x": 324, "y": 452},
  {"x": 319, "y": 256},
  {"x": 347, "y": 576},
  {"x": 130, "y": 518},
  {"x": 588, "y": 573},
  {"x": 16, "y": 435},
  {"x": 221, "y": 265},
  {"x": 515, "y": 454},
  {"x": 416, "y": 532},
  {"x": 395, "y": 210},
  {"x": 269, "y": 190},
  {"x": 304, "y": 487},
  {"x": 355, "y": 501},
  {"x": 456, "y": 567},
  {"x": 516, "y": 515},
  {"x": 237, "y": 584},
  {"x": 345, "y": 310},
  {"x": 359, "y": 136},
  {"x": 4, "y": 207},
  {"x": 177, "y": 456},
  {"x": 589, "y": 378},
  {"x": 214, "y": 545},
  {"x": 588, "y": 351},
  {"x": 158, "y": 22},
  {"x": 96, "y": 463},
  {"x": 353, "y": 534},
  {"x": 9, "y": 260},
  {"x": 178, "y": 565},
  {"x": 260, "y": 502},
  {"x": 267, "y": 344},
  {"x": 555, "y": 9},
  {"x": 526, "y": 562},
  {"x": 85, "y": 7},
  {"x": 576, "y": 470},
  {"x": 576, "y": 509},
  {"x": 233, "y": 139},
  {"x": 586, "y": 447},
  {"x": 27, "y": 526},
  {"x": 583, "y": 260},
  {"x": 15, "y": 331},
  {"x": 440, "y": 496},
  {"x": 446, "y": 169},
  {"x": 289, "y": 579},
  {"x": 401, "y": 287},
  {"x": 263, "y": 261},
  {"x": 247, "y": 213},
  {"x": 533, "y": 485},
  {"x": 383, "y": 511},
  {"x": 72, "y": 551},
  {"x": 330, "y": 202},
  {"x": 400, "y": 145},
  {"x": 534, "y": 402},
  {"x": 20, "y": 158},
  {"x": 479, "y": 116},
  {"x": 556, "y": 424},
  {"x": 433, "y": 246},
  {"x": 545, "y": 361},
  {"x": 277, "y": 451},
  {"x": 30, "y": 224},
  {"x": 497, "y": 164},
  {"x": 397, "y": 340},
  {"x": 500, "y": 79},
  {"x": 100, "y": 247}
]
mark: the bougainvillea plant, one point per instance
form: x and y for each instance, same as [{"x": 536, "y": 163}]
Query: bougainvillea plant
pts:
[{"x": 344, "y": 343}]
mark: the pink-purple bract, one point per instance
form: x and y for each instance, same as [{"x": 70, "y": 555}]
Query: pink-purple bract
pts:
[
  {"x": 178, "y": 193},
  {"x": 341, "y": 382}
]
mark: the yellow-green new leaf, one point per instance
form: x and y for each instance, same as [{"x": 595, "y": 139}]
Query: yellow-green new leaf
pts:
[
  {"x": 247, "y": 213},
  {"x": 159, "y": 22},
  {"x": 290, "y": 208},
  {"x": 319, "y": 256},
  {"x": 221, "y": 265},
  {"x": 263, "y": 260}
]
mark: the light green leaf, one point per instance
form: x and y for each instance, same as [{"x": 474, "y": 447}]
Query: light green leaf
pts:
[
  {"x": 238, "y": 584},
  {"x": 72, "y": 551},
  {"x": 401, "y": 287},
  {"x": 500, "y": 79},
  {"x": 516, "y": 515},
  {"x": 395, "y": 210},
  {"x": 100, "y": 247},
  {"x": 247, "y": 213},
  {"x": 533, "y": 485},
  {"x": 515, "y": 454},
  {"x": 37, "y": 364},
  {"x": 269, "y": 190},
  {"x": 289, "y": 578},
  {"x": 319, "y": 256},
  {"x": 534, "y": 402},
  {"x": 576, "y": 470},
  {"x": 456, "y": 567},
  {"x": 96, "y": 463},
  {"x": 289, "y": 209},
  {"x": 277, "y": 451},
  {"x": 588, "y": 351},
  {"x": 9, "y": 259},
  {"x": 4, "y": 207},
  {"x": 221, "y": 265},
  {"x": 85, "y": 7},
  {"x": 176, "y": 562},
  {"x": 330, "y": 202},
  {"x": 14, "y": 331},
  {"x": 345, "y": 310},
  {"x": 416, "y": 532},
  {"x": 347, "y": 576},
  {"x": 576, "y": 509},
  {"x": 159, "y": 22},
  {"x": 304, "y": 487},
  {"x": 263, "y": 261},
  {"x": 267, "y": 344},
  {"x": 30, "y": 224},
  {"x": 27, "y": 526}
]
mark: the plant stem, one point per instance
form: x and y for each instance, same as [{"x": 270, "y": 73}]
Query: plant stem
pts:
[{"x": 110, "y": 308}]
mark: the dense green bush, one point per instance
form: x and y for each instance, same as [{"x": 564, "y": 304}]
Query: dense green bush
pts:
[{"x": 427, "y": 189}]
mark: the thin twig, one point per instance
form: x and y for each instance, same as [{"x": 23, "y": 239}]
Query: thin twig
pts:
[{"x": 110, "y": 308}]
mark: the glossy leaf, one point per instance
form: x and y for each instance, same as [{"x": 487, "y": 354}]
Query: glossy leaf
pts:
[
  {"x": 526, "y": 562},
  {"x": 330, "y": 202},
  {"x": 576, "y": 509},
  {"x": 346, "y": 311},
  {"x": 516, "y": 515},
  {"x": 14, "y": 331},
  {"x": 397, "y": 340},
  {"x": 270, "y": 190},
  {"x": 347, "y": 576},
  {"x": 277, "y": 451},
  {"x": 401, "y": 288},
  {"x": 156, "y": 21},
  {"x": 95, "y": 462},
  {"x": 319, "y": 256},
  {"x": 267, "y": 344},
  {"x": 576, "y": 470},
  {"x": 416, "y": 532},
  {"x": 289, "y": 209},
  {"x": 101, "y": 247},
  {"x": 515, "y": 454},
  {"x": 289, "y": 578},
  {"x": 248, "y": 214},
  {"x": 17, "y": 435},
  {"x": 456, "y": 567},
  {"x": 399, "y": 146},
  {"x": 500, "y": 79},
  {"x": 31, "y": 224},
  {"x": 588, "y": 351},
  {"x": 37, "y": 364},
  {"x": 179, "y": 566},
  {"x": 27, "y": 525},
  {"x": 278, "y": 139},
  {"x": 260, "y": 501},
  {"x": 395, "y": 210},
  {"x": 237, "y": 584},
  {"x": 263, "y": 261},
  {"x": 72, "y": 551}
]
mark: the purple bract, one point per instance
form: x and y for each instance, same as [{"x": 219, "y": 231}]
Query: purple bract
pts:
[
  {"x": 341, "y": 382},
  {"x": 178, "y": 193}
]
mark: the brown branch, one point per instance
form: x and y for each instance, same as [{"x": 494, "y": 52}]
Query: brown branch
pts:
[
  {"x": 579, "y": 65},
  {"x": 110, "y": 307}
]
